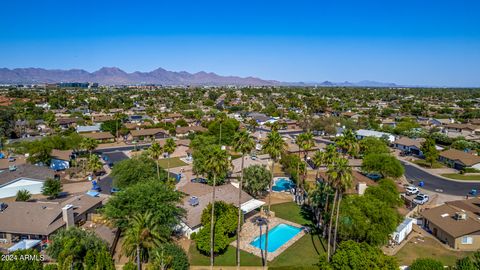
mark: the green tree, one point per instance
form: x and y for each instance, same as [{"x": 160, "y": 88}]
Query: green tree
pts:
[
  {"x": 340, "y": 175},
  {"x": 242, "y": 143},
  {"x": 23, "y": 195},
  {"x": 359, "y": 256},
  {"x": 426, "y": 264},
  {"x": 257, "y": 179},
  {"x": 169, "y": 148},
  {"x": 135, "y": 170},
  {"x": 169, "y": 256},
  {"x": 162, "y": 200},
  {"x": 52, "y": 188},
  {"x": 94, "y": 164},
  {"x": 385, "y": 164},
  {"x": 274, "y": 146},
  {"x": 465, "y": 264},
  {"x": 33, "y": 261},
  {"x": 387, "y": 192},
  {"x": 372, "y": 145},
  {"x": 225, "y": 225},
  {"x": 155, "y": 152},
  {"x": 89, "y": 144},
  {"x": 141, "y": 236},
  {"x": 348, "y": 143},
  {"x": 430, "y": 151}
]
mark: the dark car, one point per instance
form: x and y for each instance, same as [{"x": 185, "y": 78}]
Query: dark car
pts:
[
  {"x": 199, "y": 180},
  {"x": 374, "y": 176}
]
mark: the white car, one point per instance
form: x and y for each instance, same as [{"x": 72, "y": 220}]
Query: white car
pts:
[
  {"x": 421, "y": 199},
  {"x": 412, "y": 190}
]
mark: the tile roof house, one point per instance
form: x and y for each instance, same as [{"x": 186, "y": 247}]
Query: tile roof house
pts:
[
  {"x": 359, "y": 182},
  {"x": 184, "y": 131},
  {"x": 459, "y": 159},
  {"x": 456, "y": 223},
  {"x": 38, "y": 220}
]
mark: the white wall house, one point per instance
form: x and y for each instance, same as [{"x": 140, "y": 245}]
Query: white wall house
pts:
[
  {"x": 11, "y": 189},
  {"x": 363, "y": 133}
]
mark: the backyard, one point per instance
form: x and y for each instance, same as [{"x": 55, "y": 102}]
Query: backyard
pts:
[
  {"x": 303, "y": 254},
  {"x": 174, "y": 162}
]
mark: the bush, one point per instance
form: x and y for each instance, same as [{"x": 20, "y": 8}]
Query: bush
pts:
[
  {"x": 52, "y": 188},
  {"x": 426, "y": 264},
  {"x": 129, "y": 266}
]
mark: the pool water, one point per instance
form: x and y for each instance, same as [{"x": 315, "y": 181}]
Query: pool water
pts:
[
  {"x": 277, "y": 236},
  {"x": 283, "y": 184}
]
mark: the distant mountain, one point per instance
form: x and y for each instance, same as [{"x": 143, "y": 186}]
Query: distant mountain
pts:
[
  {"x": 116, "y": 76},
  {"x": 160, "y": 76}
]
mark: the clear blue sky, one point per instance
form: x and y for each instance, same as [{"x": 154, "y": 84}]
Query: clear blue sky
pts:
[{"x": 426, "y": 42}]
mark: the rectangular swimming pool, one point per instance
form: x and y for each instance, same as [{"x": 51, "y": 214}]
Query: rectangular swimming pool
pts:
[{"x": 277, "y": 236}]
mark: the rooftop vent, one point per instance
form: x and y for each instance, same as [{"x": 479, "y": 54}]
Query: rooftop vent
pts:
[
  {"x": 193, "y": 201},
  {"x": 460, "y": 216},
  {"x": 3, "y": 206}
]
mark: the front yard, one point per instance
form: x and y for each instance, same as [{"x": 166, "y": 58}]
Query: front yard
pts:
[
  {"x": 457, "y": 176},
  {"x": 174, "y": 162},
  {"x": 428, "y": 248},
  {"x": 425, "y": 164}
]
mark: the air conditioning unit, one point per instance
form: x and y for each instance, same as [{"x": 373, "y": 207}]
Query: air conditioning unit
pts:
[
  {"x": 460, "y": 216},
  {"x": 193, "y": 201}
]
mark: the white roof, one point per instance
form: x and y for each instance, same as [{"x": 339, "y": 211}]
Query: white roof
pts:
[
  {"x": 24, "y": 244},
  {"x": 251, "y": 205},
  {"x": 372, "y": 133}
]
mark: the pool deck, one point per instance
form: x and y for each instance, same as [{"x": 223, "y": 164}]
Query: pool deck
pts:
[{"x": 250, "y": 231}]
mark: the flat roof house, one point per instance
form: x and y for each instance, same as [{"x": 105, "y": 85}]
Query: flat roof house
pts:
[
  {"x": 363, "y": 133},
  {"x": 456, "y": 223},
  {"x": 459, "y": 160},
  {"x": 26, "y": 176},
  {"x": 39, "y": 220}
]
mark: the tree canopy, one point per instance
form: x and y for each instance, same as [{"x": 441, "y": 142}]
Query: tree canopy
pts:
[
  {"x": 426, "y": 264},
  {"x": 385, "y": 164},
  {"x": 135, "y": 170},
  {"x": 256, "y": 178}
]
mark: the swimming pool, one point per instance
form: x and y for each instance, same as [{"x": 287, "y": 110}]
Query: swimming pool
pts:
[
  {"x": 277, "y": 236},
  {"x": 283, "y": 184}
]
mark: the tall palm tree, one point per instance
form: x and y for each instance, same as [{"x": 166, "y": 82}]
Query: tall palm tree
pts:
[
  {"x": 318, "y": 159},
  {"x": 94, "y": 164},
  {"x": 274, "y": 145},
  {"x": 155, "y": 152},
  {"x": 348, "y": 143},
  {"x": 243, "y": 143},
  {"x": 215, "y": 163},
  {"x": 169, "y": 148},
  {"x": 340, "y": 174},
  {"x": 89, "y": 145},
  {"x": 141, "y": 237},
  {"x": 306, "y": 143}
]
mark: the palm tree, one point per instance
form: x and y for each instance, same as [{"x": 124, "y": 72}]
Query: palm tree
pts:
[
  {"x": 340, "y": 174},
  {"x": 243, "y": 143},
  {"x": 318, "y": 159},
  {"x": 169, "y": 148},
  {"x": 348, "y": 143},
  {"x": 160, "y": 260},
  {"x": 215, "y": 163},
  {"x": 141, "y": 237},
  {"x": 89, "y": 144},
  {"x": 23, "y": 195},
  {"x": 274, "y": 145},
  {"x": 155, "y": 151},
  {"x": 94, "y": 164},
  {"x": 306, "y": 143}
]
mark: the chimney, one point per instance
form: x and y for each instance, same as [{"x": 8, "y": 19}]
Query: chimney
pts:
[
  {"x": 361, "y": 187},
  {"x": 67, "y": 214}
]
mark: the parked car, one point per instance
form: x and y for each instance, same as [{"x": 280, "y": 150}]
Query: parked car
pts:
[
  {"x": 12, "y": 159},
  {"x": 374, "y": 176},
  {"x": 412, "y": 190},
  {"x": 421, "y": 199},
  {"x": 199, "y": 180}
]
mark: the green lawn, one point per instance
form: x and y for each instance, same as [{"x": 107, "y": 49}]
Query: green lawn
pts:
[
  {"x": 429, "y": 248},
  {"x": 174, "y": 162},
  {"x": 461, "y": 176},
  {"x": 290, "y": 211},
  {"x": 303, "y": 254},
  {"x": 425, "y": 164}
]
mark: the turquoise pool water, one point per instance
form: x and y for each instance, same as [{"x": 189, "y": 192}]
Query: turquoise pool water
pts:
[
  {"x": 283, "y": 184},
  {"x": 277, "y": 236}
]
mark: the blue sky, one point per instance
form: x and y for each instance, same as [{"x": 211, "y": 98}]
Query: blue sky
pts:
[{"x": 420, "y": 42}]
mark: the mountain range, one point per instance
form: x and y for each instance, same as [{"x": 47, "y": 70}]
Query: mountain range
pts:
[{"x": 160, "y": 76}]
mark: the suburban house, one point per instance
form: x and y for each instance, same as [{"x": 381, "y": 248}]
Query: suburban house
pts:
[
  {"x": 184, "y": 131},
  {"x": 457, "y": 129},
  {"x": 100, "y": 118},
  {"x": 68, "y": 122},
  {"x": 261, "y": 160},
  {"x": 60, "y": 159},
  {"x": 456, "y": 223},
  {"x": 198, "y": 196},
  {"x": 27, "y": 177},
  {"x": 92, "y": 128},
  {"x": 412, "y": 146},
  {"x": 39, "y": 220},
  {"x": 147, "y": 134},
  {"x": 359, "y": 182},
  {"x": 459, "y": 160},
  {"x": 102, "y": 137},
  {"x": 363, "y": 133}
]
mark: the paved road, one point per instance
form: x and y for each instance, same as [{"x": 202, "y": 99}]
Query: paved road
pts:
[
  {"x": 121, "y": 148},
  {"x": 435, "y": 183}
]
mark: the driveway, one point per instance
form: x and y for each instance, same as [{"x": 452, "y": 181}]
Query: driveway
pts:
[{"x": 437, "y": 184}]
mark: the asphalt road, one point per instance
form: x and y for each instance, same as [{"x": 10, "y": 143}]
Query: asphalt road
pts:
[{"x": 435, "y": 183}]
